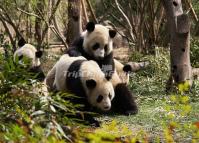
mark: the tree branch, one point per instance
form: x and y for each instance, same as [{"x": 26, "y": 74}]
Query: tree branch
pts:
[
  {"x": 92, "y": 12},
  {"x": 127, "y": 20},
  {"x": 31, "y": 14}
]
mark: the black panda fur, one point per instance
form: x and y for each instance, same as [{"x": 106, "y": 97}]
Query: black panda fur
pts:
[{"x": 124, "y": 102}]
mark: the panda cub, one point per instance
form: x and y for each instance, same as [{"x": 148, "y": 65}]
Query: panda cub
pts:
[
  {"x": 96, "y": 43},
  {"x": 84, "y": 79},
  {"x": 30, "y": 52}
]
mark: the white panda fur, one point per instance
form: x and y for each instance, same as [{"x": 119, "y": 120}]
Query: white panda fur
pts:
[
  {"x": 89, "y": 70},
  {"x": 95, "y": 43}
]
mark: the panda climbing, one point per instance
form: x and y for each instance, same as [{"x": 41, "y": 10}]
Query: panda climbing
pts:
[
  {"x": 30, "y": 52},
  {"x": 84, "y": 79},
  {"x": 95, "y": 43}
]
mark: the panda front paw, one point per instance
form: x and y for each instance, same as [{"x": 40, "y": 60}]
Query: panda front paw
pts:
[
  {"x": 92, "y": 121},
  {"x": 130, "y": 112},
  {"x": 95, "y": 124}
]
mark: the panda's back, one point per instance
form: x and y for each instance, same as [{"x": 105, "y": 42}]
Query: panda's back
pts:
[
  {"x": 62, "y": 67},
  {"x": 71, "y": 73},
  {"x": 27, "y": 50}
]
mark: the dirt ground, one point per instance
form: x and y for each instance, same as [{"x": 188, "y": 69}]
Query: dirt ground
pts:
[{"x": 121, "y": 54}]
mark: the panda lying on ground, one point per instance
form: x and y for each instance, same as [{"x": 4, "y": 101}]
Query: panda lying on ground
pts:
[
  {"x": 84, "y": 79},
  {"x": 98, "y": 91}
]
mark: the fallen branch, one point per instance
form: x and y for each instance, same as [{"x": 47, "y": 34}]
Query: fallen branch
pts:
[
  {"x": 28, "y": 13},
  {"x": 91, "y": 10}
]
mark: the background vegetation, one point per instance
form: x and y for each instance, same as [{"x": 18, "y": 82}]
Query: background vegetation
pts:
[{"x": 28, "y": 116}]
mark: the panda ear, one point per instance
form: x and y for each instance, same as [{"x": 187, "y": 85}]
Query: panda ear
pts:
[
  {"x": 112, "y": 33},
  {"x": 38, "y": 54},
  {"x": 21, "y": 42},
  {"x": 127, "y": 68},
  {"x": 91, "y": 83},
  {"x": 90, "y": 26}
]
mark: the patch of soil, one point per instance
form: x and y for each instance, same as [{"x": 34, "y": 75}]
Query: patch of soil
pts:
[{"x": 122, "y": 54}]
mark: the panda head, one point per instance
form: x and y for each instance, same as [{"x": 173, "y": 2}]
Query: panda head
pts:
[
  {"x": 98, "y": 40},
  {"x": 100, "y": 93}
]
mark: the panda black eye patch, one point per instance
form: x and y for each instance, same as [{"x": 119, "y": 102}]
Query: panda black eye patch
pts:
[
  {"x": 96, "y": 46},
  {"x": 99, "y": 98},
  {"x": 109, "y": 96},
  {"x": 106, "y": 47}
]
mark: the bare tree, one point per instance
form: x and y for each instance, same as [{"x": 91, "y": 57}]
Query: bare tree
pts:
[
  {"x": 38, "y": 23},
  {"x": 179, "y": 29},
  {"x": 141, "y": 19}
]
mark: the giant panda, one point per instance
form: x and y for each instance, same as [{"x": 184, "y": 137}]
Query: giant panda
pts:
[
  {"x": 83, "y": 78},
  {"x": 30, "y": 52},
  {"x": 96, "y": 43},
  {"x": 123, "y": 101}
]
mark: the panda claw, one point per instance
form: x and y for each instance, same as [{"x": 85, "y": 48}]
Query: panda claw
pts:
[{"x": 95, "y": 123}]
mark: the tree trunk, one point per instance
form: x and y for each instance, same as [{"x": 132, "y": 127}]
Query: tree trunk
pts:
[
  {"x": 179, "y": 30},
  {"x": 92, "y": 11},
  {"x": 38, "y": 23},
  {"x": 74, "y": 20},
  {"x": 50, "y": 3}
]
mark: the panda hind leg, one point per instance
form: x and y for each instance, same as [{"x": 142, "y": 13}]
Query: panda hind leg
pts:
[{"x": 124, "y": 102}]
